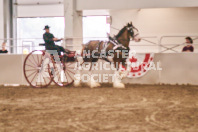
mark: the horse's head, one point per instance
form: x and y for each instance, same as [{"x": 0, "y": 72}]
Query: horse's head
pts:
[
  {"x": 133, "y": 31},
  {"x": 123, "y": 37},
  {"x": 126, "y": 33}
]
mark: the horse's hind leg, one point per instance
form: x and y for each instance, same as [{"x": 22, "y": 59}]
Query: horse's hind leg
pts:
[
  {"x": 117, "y": 82},
  {"x": 77, "y": 77},
  {"x": 92, "y": 83}
]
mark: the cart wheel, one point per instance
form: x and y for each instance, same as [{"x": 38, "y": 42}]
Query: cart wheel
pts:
[
  {"x": 64, "y": 73},
  {"x": 37, "y": 70}
]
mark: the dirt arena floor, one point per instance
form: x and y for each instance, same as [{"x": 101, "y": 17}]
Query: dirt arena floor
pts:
[{"x": 138, "y": 108}]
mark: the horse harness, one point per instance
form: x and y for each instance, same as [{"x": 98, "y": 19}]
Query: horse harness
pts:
[
  {"x": 102, "y": 49},
  {"x": 116, "y": 46}
]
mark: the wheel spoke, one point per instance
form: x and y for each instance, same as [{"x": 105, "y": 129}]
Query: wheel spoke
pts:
[
  {"x": 70, "y": 67},
  {"x": 31, "y": 70},
  {"x": 46, "y": 75},
  {"x": 41, "y": 80},
  {"x": 66, "y": 77},
  {"x": 31, "y": 74},
  {"x": 70, "y": 71},
  {"x": 59, "y": 78},
  {"x": 69, "y": 75},
  {"x": 32, "y": 62},
  {"x": 33, "y": 78},
  {"x": 30, "y": 66},
  {"x": 69, "y": 64},
  {"x": 38, "y": 58},
  {"x": 34, "y": 59},
  {"x": 41, "y": 60}
]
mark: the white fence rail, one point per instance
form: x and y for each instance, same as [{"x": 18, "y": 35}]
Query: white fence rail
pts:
[{"x": 164, "y": 44}]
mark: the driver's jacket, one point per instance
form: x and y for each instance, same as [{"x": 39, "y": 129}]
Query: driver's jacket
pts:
[{"x": 49, "y": 42}]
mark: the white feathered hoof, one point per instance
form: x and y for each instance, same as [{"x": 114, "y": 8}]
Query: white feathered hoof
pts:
[
  {"x": 118, "y": 85},
  {"x": 77, "y": 83},
  {"x": 117, "y": 81},
  {"x": 93, "y": 84}
]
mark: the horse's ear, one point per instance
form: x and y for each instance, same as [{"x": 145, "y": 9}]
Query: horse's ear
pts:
[
  {"x": 131, "y": 23},
  {"x": 128, "y": 24}
]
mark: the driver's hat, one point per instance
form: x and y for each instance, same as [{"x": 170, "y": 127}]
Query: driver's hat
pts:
[{"x": 46, "y": 27}]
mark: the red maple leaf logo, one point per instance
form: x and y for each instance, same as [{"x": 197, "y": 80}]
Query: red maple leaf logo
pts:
[{"x": 133, "y": 59}]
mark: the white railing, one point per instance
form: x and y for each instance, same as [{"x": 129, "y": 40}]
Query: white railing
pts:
[
  {"x": 175, "y": 46},
  {"x": 163, "y": 44}
]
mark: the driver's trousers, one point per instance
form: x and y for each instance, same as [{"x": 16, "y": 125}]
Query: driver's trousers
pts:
[{"x": 58, "y": 48}]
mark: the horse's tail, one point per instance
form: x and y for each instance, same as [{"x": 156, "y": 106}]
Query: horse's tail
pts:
[
  {"x": 85, "y": 53},
  {"x": 84, "y": 48}
]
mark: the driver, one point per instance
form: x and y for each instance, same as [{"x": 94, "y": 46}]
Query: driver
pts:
[{"x": 49, "y": 42}]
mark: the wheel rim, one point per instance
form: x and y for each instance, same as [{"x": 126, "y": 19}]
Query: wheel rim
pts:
[{"x": 37, "y": 70}]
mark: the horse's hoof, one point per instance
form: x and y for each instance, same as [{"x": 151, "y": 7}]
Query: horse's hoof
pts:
[
  {"x": 98, "y": 85},
  {"x": 94, "y": 85},
  {"x": 119, "y": 85},
  {"x": 77, "y": 84}
]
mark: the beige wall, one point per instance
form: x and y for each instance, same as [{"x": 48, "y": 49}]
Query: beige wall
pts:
[
  {"x": 40, "y": 11},
  {"x": 11, "y": 69},
  {"x": 133, "y": 4},
  {"x": 47, "y": 8},
  {"x": 159, "y": 22},
  {"x": 169, "y": 21},
  {"x": 176, "y": 69}
]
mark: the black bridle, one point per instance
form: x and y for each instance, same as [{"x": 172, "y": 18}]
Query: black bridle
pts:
[{"x": 130, "y": 28}]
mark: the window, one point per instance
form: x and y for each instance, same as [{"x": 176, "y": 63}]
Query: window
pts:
[
  {"x": 30, "y": 32},
  {"x": 95, "y": 28}
]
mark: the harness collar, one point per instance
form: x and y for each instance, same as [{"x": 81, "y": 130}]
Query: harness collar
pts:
[
  {"x": 117, "y": 45},
  {"x": 114, "y": 42}
]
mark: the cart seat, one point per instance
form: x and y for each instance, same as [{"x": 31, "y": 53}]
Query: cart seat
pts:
[
  {"x": 42, "y": 44},
  {"x": 68, "y": 52}
]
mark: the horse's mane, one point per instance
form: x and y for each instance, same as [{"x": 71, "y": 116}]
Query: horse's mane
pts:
[{"x": 121, "y": 32}]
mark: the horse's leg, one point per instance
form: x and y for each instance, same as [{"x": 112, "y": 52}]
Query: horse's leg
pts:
[
  {"x": 92, "y": 83},
  {"x": 77, "y": 77},
  {"x": 117, "y": 77}
]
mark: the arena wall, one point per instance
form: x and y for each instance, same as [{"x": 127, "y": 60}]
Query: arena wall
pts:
[
  {"x": 179, "y": 68},
  {"x": 11, "y": 69},
  {"x": 40, "y": 11},
  {"x": 45, "y": 8},
  {"x": 132, "y": 4},
  {"x": 158, "y": 21}
]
